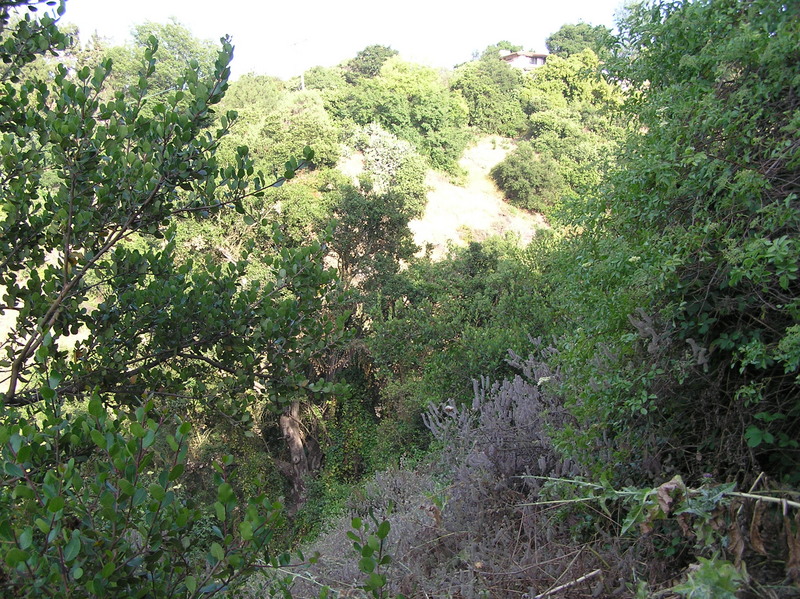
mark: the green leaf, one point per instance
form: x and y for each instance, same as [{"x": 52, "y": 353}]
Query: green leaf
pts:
[
  {"x": 42, "y": 525},
  {"x": 98, "y": 438},
  {"x": 26, "y": 538},
  {"x": 126, "y": 487},
  {"x": 191, "y": 583},
  {"x": 376, "y": 581},
  {"x": 246, "y": 530},
  {"x": 367, "y": 564},
  {"x": 225, "y": 492},
  {"x": 383, "y": 530},
  {"x": 14, "y": 470},
  {"x": 176, "y": 471},
  {"x": 138, "y": 430},
  {"x": 15, "y": 556},
  {"x": 55, "y": 504},
  {"x": 157, "y": 492},
  {"x": 217, "y": 552},
  {"x": 73, "y": 548},
  {"x": 219, "y": 509},
  {"x": 96, "y": 408}
]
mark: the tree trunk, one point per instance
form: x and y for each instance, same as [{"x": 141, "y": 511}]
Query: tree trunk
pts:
[{"x": 305, "y": 455}]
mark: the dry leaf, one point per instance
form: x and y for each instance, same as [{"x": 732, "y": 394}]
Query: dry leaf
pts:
[
  {"x": 669, "y": 493},
  {"x": 686, "y": 529},
  {"x": 755, "y": 528},
  {"x": 735, "y": 539}
]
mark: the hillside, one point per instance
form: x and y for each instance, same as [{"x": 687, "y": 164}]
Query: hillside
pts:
[{"x": 475, "y": 210}]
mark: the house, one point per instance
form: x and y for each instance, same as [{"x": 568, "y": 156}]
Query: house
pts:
[{"x": 527, "y": 61}]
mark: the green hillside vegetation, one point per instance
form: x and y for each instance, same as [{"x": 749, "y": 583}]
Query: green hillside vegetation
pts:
[{"x": 228, "y": 370}]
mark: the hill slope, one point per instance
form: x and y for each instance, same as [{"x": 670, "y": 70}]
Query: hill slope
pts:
[{"x": 457, "y": 214}]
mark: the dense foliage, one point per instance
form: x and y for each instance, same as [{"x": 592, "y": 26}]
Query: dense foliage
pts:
[
  {"x": 492, "y": 88},
  {"x": 714, "y": 186},
  {"x": 187, "y": 340},
  {"x": 572, "y": 130},
  {"x": 412, "y": 102},
  {"x": 107, "y": 316},
  {"x": 573, "y": 39}
]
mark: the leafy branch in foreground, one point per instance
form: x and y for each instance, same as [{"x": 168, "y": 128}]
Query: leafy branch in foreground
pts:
[
  {"x": 92, "y": 507},
  {"x": 105, "y": 325}
]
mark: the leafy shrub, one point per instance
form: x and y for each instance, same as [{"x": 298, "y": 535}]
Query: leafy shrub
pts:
[
  {"x": 530, "y": 180},
  {"x": 711, "y": 183}
]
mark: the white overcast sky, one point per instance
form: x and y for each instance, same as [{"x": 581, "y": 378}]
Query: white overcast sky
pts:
[{"x": 285, "y": 38}]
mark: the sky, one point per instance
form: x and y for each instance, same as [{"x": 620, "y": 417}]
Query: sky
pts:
[{"x": 283, "y": 39}]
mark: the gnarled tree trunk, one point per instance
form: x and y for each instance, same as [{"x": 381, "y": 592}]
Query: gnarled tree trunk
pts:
[{"x": 305, "y": 454}]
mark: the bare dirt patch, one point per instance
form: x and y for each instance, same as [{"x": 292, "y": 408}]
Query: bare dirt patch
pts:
[{"x": 458, "y": 214}]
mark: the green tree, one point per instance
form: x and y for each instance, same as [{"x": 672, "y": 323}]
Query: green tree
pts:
[
  {"x": 450, "y": 321},
  {"x": 492, "y": 89},
  {"x": 412, "y": 102},
  {"x": 107, "y": 325},
  {"x": 299, "y": 120},
  {"x": 574, "y": 38},
  {"x": 253, "y": 95},
  {"x": 494, "y": 50},
  {"x": 372, "y": 234},
  {"x": 325, "y": 78},
  {"x": 276, "y": 124},
  {"x": 573, "y": 126},
  {"x": 178, "y": 50},
  {"x": 689, "y": 259},
  {"x": 368, "y": 62}
]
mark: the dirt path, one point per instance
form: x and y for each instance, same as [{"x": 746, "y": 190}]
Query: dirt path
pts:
[{"x": 457, "y": 214}]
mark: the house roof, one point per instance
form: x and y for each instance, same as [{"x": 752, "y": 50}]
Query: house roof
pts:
[{"x": 513, "y": 55}]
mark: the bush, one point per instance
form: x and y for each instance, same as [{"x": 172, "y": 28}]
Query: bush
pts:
[{"x": 530, "y": 180}]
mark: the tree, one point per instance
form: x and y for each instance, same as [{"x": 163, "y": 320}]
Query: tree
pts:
[
  {"x": 372, "y": 234},
  {"x": 694, "y": 246},
  {"x": 325, "y": 78},
  {"x": 573, "y": 131},
  {"x": 298, "y": 120},
  {"x": 108, "y": 326},
  {"x": 494, "y": 50},
  {"x": 178, "y": 50},
  {"x": 492, "y": 89},
  {"x": 412, "y": 102},
  {"x": 368, "y": 62},
  {"x": 572, "y": 39},
  {"x": 253, "y": 95},
  {"x": 529, "y": 180}
]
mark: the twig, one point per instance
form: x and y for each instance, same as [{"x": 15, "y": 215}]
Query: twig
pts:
[
  {"x": 569, "y": 584},
  {"x": 783, "y": 502},
  {"x": 755, "y": 484}
]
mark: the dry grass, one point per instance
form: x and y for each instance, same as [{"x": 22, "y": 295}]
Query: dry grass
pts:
[{"x": 456, "y": 214}]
